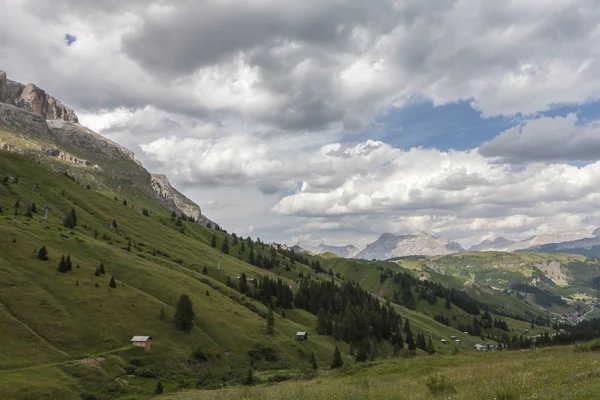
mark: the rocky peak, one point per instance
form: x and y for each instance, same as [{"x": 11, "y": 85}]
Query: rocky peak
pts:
[{"x": 33, "y": 99}]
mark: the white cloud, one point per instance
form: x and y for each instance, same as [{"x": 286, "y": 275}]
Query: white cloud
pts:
[{"x": 546, "y": 139}]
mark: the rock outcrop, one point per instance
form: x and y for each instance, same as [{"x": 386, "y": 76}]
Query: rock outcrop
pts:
[
  {"x": 173, "y": 198},
  {"x": 423, "y": 244},
  {"x": 501, "y": 244},
  {"x": 33, "y": 99}
]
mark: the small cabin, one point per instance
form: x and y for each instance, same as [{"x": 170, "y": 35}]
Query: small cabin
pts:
[
  {"x": 142, "y": 341},
  {"x": 443, "y": 341},
  {"x": 452, "y": 337},
  {"x": 457, "y": 340},
  {"x": 301, "y": 336}
]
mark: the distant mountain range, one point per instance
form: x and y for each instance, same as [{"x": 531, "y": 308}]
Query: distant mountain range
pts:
[
  {"x": 425, "y": 244},
  {"x": 502, "y": 244},
  {"x": 349, "y": 251}
]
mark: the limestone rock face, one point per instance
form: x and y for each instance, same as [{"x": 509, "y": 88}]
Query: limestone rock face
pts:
[
  {"x": 33, "y": 99},
  {"x": 422, "y": 244},
  {"x": 173, "y": 199}
]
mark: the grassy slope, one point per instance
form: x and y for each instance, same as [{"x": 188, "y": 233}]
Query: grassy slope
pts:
[
  {"x": 52, "y": 319},
  {"x": 499, "y": 375}
]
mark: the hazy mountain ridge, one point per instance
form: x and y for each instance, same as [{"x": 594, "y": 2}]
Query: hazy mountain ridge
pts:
[
  {"x": 390, "y": 246},
  {"x": 502, "y": 244},
  {"x": 348, "y": 251}
]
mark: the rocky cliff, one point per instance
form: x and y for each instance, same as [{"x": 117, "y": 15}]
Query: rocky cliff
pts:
[
  {"x": 175, "y": 199},
  {"x": 501, "y": 244},
  {"x": 31, "y": 98},
  {"x": 423, "y": 244},
  {"x": 35, "y": 123}
]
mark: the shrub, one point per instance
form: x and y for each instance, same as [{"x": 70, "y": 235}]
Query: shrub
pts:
[
  {"x": 439, "y": 384},
  {"x": 199, "y": 354},
  {"x": 594, "y": 345},
  {"x": 147, "y": 372}
]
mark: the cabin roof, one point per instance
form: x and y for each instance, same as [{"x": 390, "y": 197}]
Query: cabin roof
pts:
[
  {"x": 300, "y": 333},
  {"x": 140, "y": 338}
]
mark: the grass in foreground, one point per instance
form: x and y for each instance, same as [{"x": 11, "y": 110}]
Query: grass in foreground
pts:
[{"x": 551, "y": 373}]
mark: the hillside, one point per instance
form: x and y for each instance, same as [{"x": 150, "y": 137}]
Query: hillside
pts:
[{"x": 55, "y": 319}]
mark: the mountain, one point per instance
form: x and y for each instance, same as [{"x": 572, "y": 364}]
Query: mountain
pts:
[
  {"x": 499, "y": 243},
  {"x": 390, "y": 246},
  {"x": 588, "y": 246},
  {"x": 35, "y": 123},
  {"x": 502, "y": 244},
  {"x": 348, "y": 251}
]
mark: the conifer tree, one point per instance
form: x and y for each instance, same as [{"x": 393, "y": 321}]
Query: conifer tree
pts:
[
  {"x": 421, "y": 344},
  {"x": 62, "y": 265},
  {"x": 173, "y": 215},
  {"x": 184, "y": 316},
  {"x": 243, "y": 247},
  {"x": 225, "y": 246},
  {"x": 97, "y": 272},
  {"x": 322, "y": 322},
  {"x": 16, "y": 206},
  {"x": 430, "y": 348},
  {"x": 251, "y": 258},
  {"x": 270, "y": 322},
  {"x": 205, "y": 270},
  {"x": 33, "y": 208},
  {"x": 101, "y": 268},
  {"x": 447, "y": 305},
  {"x": 28, "y": 213},
  {"x": 213, "y": 243},
  {"x": 112, "y": 282},
  {"x": 337, "y": 359},
  {"x": 249, "y": 378},
  {"x": 243, "y": 287},
  {"x": 159, "y": 388},
  {"x": 114, "y": 224},
  {"x": 1, "y": 210},
  {"x": 313, "y": 360},
  {"x": 68, "y": 263},
  {"x": 125, "y": 202},
  {"x": 43, "y": 254},
  {"x": 410, "y": 341},
  {"x": 178, "y": 222},
  {"x": 161, "y": 315}
]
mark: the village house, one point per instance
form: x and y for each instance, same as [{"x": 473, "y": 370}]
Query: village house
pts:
[
  {"x": 301, "y": 336},
  {"x": 142, "y": 341}
]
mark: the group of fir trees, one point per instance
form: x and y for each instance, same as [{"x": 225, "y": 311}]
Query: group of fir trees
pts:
[
  {"x": 65, "y": 264},
  {"x": 70, "y": 220},
  {"x": 348, "y": 312}
]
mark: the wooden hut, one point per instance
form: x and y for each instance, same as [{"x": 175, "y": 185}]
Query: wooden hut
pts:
[
  {"x": 301, "y": 336},
  {"x": 142, "y": 341}
]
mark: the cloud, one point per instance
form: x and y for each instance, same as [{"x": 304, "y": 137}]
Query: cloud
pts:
[
  {"x": 70, "y": 39},
  {"x": 300, "y": 67},
  {"x": 546, "y": 139}
]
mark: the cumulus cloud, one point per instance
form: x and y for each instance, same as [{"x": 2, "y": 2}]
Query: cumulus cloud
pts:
[
  {"x": 546, "y": 139},
  {"x": 297, "y": 66}
]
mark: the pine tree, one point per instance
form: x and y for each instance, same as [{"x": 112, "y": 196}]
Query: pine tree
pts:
[
  {"x": 97, "y": 272},
  {"x": 68, "y": 263},
  {"x": 337, "y": 359},
  {"x": 243, "y": 287},
  {"x": 447, "y": 305},
  {"x": 421, "y": 344},
  {"x": 112, "y": 282},
  {"x": 213, "y": 243},
  {"x": 159, "y": 388},
  {"x": 225, "y": 246},
  {"x": 243, "y": 247},
  {"x": 33, "y": 208},
  {"x": 313, "y": 360},
  {"x": 62, "y": 265},
  {"x": 205, "y": 270},
  {"x": 430, "y": 348},
  {"x": 270, "y": 322},
  {"x": 322, "y": 322},
  {"x": 28, "y": 213},
  {"x": 251, "y": 258},
  {"x": 114, "y": 224},
  {"x": 125, "y": 202},
  {"x": 184, "y": 316},
  {"x": 409, "y": 337},
  {"x": 1, "y": 210},
  {"x": 178, "y": 222},
  {"x": 16, "y": 206},
  {"x": 43, "y": 254},
  {"x": 101, "y": 268}
]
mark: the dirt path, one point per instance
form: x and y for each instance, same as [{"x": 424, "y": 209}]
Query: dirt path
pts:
[{"x": 31, "y": 367}]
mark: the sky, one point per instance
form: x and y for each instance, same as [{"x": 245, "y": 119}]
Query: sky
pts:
[{"x": 336, "y": 121}]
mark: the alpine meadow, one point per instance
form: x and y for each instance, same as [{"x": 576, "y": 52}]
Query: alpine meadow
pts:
[{"x": 267, "y": 200}]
